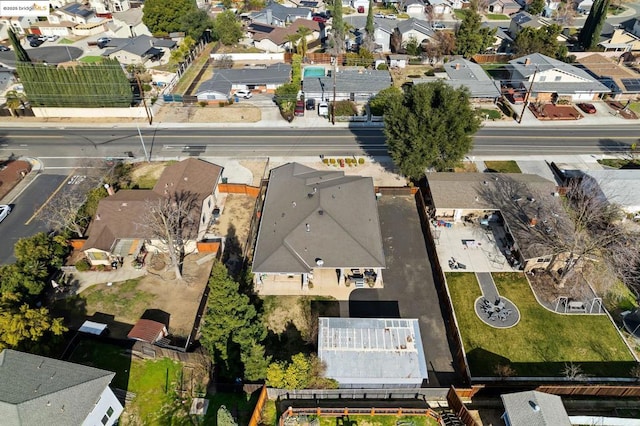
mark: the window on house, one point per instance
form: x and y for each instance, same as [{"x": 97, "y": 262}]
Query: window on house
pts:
[
  {"x": 110, "y": 412},
  {"x": 558, "y": 78},
  {"x": 543, "y": 78},
  {"x": 209, "y": 203},
  {"x": 105, "y": 419}
]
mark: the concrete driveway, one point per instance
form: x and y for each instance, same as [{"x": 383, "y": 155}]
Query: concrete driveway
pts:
[{"x": 409, "y": 290}]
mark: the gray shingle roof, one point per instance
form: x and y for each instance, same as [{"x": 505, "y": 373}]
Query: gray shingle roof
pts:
[
  {"x": 541, "y": 63},
  {"x": 37, "y": 390},
  {"x": 313, "y": 214},
  {"x": 417, "y": 25},
  {"x": 533, "y": 408},
  {"x": 223, "y": 79},
  {"x": 621, "y": 187},
  {"x": 351, "y": 81},
  {"x": 78, "y": 10},
  {"x": 524, "y": 19},
  {"x": 468, "y": 74},
  {"x": 372, "y": 351},
  {"x": 282, "y": 13},
  {"x": 140, "y": 45}
]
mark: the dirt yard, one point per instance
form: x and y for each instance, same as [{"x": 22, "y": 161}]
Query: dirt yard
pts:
[
  {"x": 209, "y": 114},
  {"x": 150, "y": 171},
  {"x": 235, "y": 218},
  {"x": 257, "y": 169}
]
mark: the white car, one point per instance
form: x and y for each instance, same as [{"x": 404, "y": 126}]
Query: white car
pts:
[
  {"x": 4, "y": 211},
  {"x": 243, "y": 94},
  {"x": 391, "y": 16},
  {"x": 378, "y": 15},
  {"x": 52, "y": 37},
  {"x": 438, "y": 26}
]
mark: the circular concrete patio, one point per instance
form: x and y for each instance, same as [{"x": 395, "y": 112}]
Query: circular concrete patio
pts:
[{"x": 498, "y": 313}]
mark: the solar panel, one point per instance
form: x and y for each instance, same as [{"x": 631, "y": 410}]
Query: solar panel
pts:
[{"x": 631, "y": 84}]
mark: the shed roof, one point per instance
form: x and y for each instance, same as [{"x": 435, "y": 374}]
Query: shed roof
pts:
[
  {"x": 311, "y": 215},
  {"x": 372, "y": 350},
  {"x": 533, "y": 408},
  {"x": 37, "y": 390},
  {"x": 146, "y": 330}
]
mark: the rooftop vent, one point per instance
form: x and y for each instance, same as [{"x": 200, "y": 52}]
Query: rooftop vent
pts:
[
  {"x": 319, "y": 262},
  {"x": 534, "y": 406},
  {"x": 320, "y": 212},
  {"x": 293, "y": 204},
  {"x": 308, "y": 227}
]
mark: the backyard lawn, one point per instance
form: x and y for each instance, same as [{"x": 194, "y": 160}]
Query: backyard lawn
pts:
[
  {"x": 91, "y": 59},
  {"x": 153, "y": 381},
  {"x": 542, "y": 342},
  {"x": 378, "y": 421},
  {"x": 503, "y": 166},
  {"x": 496, "y": 17}
]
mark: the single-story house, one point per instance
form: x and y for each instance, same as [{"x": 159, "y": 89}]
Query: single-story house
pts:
[
  {"x": 128, "y": 24},
  {"x": 619, "y": 187},
  {"x": 620, "y": 41},
  {"x": 278, "y": 15},
  {"x": 513, "y": 198},
  {"x": 502, "y": 41},
  {"x": 533, "y": 408},
  {"x": 413, "y": 28},
  {"x": 141, "y": 49},
  {"x": 464, "y": 73},
  {"x": 357, "y": 85},
  {"x": 274, "y": 39},
  {"x": 551, "y": 79},
  {"x": 504, "y": 7},
  {"x": 226, "y": 81},
  {"x": 318, "y": 224},
  {"x": 147, "y": 330},
  {"x": 525, "y": 20},
  {"x": 38, "y": 390},
  {"x": 372, "y": 353},
  {"x": 623, "y": 81},
  {"x": 414, "y": 8},
  {"x": 117, "y": 230},
  {"x": 440, "y": 7}
]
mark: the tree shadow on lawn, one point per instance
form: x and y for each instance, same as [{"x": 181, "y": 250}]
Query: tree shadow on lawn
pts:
[
  {"x": 283, "y": 346},
  {"x": 483, "y": 363},
  {"x": 240, "y": 404}
]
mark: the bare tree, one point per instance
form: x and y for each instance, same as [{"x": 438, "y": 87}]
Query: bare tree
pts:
[
  {"x": 504, "y": 370},
  {"x": 573, "y": 371},
  {"x": 171, "y": 220},
  {"x": 565, "y": 14},
  {"x": 224, "y": 62},
  {"x": 580, "y": 226}
]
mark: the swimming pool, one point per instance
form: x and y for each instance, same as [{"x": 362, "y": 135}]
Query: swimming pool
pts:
[{"x": 313, "y": 72}]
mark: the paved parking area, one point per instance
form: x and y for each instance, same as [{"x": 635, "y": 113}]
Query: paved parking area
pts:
[{"x": 409, "y": 290}]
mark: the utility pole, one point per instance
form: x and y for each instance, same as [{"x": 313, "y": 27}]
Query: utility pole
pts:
[
  {"x": 333, "y": 104},
  {"x": 144, "y": 101},
  {"x": 144, "y": 148},
  {"x": 526, "y": 98}
]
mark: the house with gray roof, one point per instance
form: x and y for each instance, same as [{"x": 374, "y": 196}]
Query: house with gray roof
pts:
[
  {"x": 506, "y": 7},
  {"x": 525, "y": 20},
  {"x": 37, "y": 390},
  {"x": 619, "y": 187},
  {"x": 533, "y": 408},
  {"x": 372, "y": 353},
  {"x": 318, "y": 226},
  {"x": 528, "y": 204},
  {"x": 278, "y": 15},
  {"x": 76, "y": 13},
  {"x": 226, "y": 81},
  {"x": 464, "y": 73},
  {"x": 356, "y": 84},
  {"x": 551, "y": 79},
  {"x": 142, "y": 49},
  {"x": 413, "y": 28}
]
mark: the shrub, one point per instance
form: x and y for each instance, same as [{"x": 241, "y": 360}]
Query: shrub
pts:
[
  {"x": 221, "y": 104},
  {"x": 345, "y": 108},
  {"x": 202, "y": 104},
  {"x": 325, "y": 160},
  {"x": 360, "y": 160},
  {"x": 382, "y": 67},
  {"x": 82, "y": 265},
  {"x": 430, "y": 73},
  {"x": 332, "y": 160},
  {"x": 100, "y": 268}
]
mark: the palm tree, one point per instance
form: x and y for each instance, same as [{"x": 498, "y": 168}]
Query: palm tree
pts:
[
  {"x": 303, "y": 33},
  {"x": 292, "y": 39},
  {"x": 14, "y": 100}
]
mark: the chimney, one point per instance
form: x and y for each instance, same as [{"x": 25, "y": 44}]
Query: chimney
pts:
[
  {"x": 533, "y": 221},
  {"x": 527, "y": 61},
  {"x": 457, "y": 65},
  {"x": 109, "y": 189}
]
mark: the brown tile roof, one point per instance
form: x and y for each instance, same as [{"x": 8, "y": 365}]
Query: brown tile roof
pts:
[
  {"x": 119, "y": 216},
  {"x": 147, "y": 330},
  {"x": 278, "y": 35}
]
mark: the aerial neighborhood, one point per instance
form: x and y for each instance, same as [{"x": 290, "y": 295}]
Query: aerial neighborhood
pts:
[{"x": 332, "y": 212}]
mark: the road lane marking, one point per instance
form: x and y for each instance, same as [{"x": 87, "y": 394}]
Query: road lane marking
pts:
[{"x": 53, "y": 194}]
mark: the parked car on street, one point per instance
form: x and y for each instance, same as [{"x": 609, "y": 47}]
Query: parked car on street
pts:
[
  {"x": 391, "y": 16},
  {"x": 36, "y": 42},
  {"x": 311, "y": 104},
  {"x": 588, "y": 108},
  {"x": 52, "y": 37},
  {"x": 438, "y": 26},
  {"x": 378, "y": 15},
  {"x": 299, "y": 111},
  {"x": 4, "y": 48},
  {"x": 319, "y": 19},
  {"x": 4, "y": 211},
  {"x": 360, "y": 9},
  {"x": 323, "y": 109},
  {"x": 246, "y": 94}
]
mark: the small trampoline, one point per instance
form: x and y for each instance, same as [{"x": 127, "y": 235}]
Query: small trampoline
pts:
[{"x": 631, "y": 323}]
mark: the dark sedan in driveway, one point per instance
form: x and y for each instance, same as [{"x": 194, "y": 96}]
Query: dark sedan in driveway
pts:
[{"x": 588, "y": 108}]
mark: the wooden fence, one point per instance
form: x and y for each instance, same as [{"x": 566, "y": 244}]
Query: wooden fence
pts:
[
  {"x": 458, "y": 407},
  {"x": 257, "y": 412},
  {"x": 239, "y": 188},
  {"x": 208, "y": 246},
  {"x": 592, "y": 390},
  {"x": 491, "y": 59},
  {"x": 395, "y": 190},
  {"x": 339, "y": 412}
]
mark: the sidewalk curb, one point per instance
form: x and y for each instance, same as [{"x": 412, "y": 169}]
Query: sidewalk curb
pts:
[{"x": 36, "y": 168}]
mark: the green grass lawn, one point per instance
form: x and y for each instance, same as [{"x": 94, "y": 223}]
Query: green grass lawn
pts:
[
  {"x": 497, "y": 17},
  {"x": 153, "y": 381},
  {"x": 355, "y": 420},
  {"x": 91, "y": 59},
  {"x": 620, "y": 163},
  {"x": 240, "y": 405},
  {"x": 542, "y": 342},
  {"x": 503, "y": 166},
  {"x": 65, "y": 41},
  {"x": 122, "y": 299},
  {"x": 491, "y": 114},
  {"x": 635, "y": 107},
  {"x": 459, "y": 13}
]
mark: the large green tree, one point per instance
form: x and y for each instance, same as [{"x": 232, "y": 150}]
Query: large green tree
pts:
[
  {"x": 471, "y": 37},
  {"x": 590, "y": 33},
  {"x": 543, "y": 40},
  {"x": 164, "y": 17},
  {"x": 338, "y": 27},
  {"x": 303, "y": 372},
  {"x": 385, "y": 97},
  {"x": 535, "y": 7},
  {"x": 431, "y": 126},
  {"x": 232, "y": 330},
  {"x": 21, "y": 54},
  {"x": 226, "y": 28},
  {"x": 195, "y": 23}
]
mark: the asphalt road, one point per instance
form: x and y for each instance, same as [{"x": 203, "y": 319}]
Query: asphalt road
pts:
[
  {"x": 62, "y": 147},
  {"x": 18, "y": 224}
]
